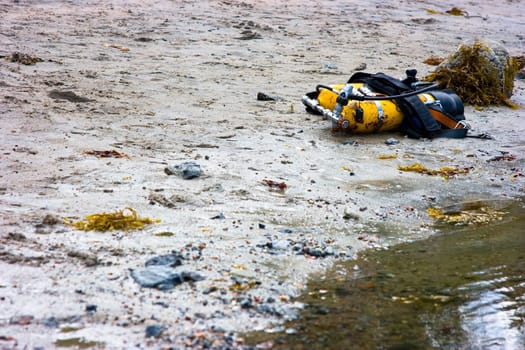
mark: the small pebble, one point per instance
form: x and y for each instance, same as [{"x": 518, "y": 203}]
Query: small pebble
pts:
[
  {"x": 154, "y": 331},
  {"x": 391, "y": 141},
  {"x": 246, "y": 303},
  {"x": 286, "y": 230},
  {"x": 91, "y": 308},
  {"x": 330, "y": 66},
  {"x": 261, "y": 96},
  {"x": 350, "y": 143}
]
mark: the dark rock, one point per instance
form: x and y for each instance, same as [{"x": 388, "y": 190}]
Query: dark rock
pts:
[
  {"x": 172, "y": 260},
  {"x": 261, "y": 96},
  {"x": 154, "y": 331},
  {"x": 144, "y": 39},
  {"x": 91, "y": 308},
  {"x": 218, "y": 217},
  {"x": 246, "y": 303}
]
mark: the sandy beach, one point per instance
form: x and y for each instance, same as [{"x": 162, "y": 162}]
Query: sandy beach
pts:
[{"x": 122, "y": 90}]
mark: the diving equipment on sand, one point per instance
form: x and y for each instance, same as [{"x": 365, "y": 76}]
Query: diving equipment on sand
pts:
[{"x": 370, "y": 103}]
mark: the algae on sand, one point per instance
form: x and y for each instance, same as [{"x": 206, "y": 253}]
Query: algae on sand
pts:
[
  {"x": 127, "y": 219},
  {"x": 480, "y": 74},
  {"x": 445, "y": 171}
]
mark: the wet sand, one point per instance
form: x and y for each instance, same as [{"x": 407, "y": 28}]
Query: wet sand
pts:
[{"x": 169, "y": 82}]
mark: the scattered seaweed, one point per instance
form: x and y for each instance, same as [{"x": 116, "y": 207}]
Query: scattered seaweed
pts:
[
  {"x": 470, "y": 216},
  {"x": 164, "y": 234},
  {"x": 78, "y": 343},
  {"x": 281, "y": 186},
  {"x": 445, "y": 171},
  {"x": 433, "y": 12},
  {"x": 243, "y": 286},
  {"x": 106, "y": 154},
  {"x": 24, "y": 58},
  {"x": 433, "y": 60},
  {"x": 125, "y": 220},
  {"x": 456, "y": 11},
  {"x": 387, "y": 156},
  {"x": 479, "y": 74}
]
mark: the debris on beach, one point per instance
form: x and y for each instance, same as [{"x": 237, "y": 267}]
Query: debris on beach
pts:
[
  {"x": 391, "y": 141},
  {"x": 456, "y": 11},
  {"x": 387, "y": 156},
  {"x": 481, "y": 73},
  {"x": 186, "y": 170},
  {"x": 308, "y": 247},
  {"x": 116, "y": 46},
  {"x": 126, "y": 220},
  {"x": 500, "y": 157},
  {"x": 249, "y": 35},
  {"x": 261, "y": 96},
  {"x": 106, "y": 154},
  {"x": 163, "y": 277},
  {"x": 23, "y": 58},
  {"x": 445, "y": 171},
  {"x": 275, "y": 185},
  {"x": 433, "y": 60},
  {"x": 160, "y": 273},
  {"x": 469, "y": 216},
  {"x": 154, "y": 331},
  {"x": 174, "y": 259},
  {"x": 68, "y": 96}
]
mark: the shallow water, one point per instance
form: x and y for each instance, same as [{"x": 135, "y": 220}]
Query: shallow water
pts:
[{"x": 463, "y": 288}]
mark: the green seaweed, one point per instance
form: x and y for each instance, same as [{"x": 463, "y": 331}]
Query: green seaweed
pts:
[{"x": 78, "y": 343}]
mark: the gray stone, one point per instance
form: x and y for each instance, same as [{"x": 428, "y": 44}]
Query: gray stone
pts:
[
  {"x": 186, "y": 170},
  {"x": 162, "y": 277}
]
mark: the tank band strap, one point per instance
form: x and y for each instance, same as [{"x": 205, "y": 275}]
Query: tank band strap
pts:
[{"x": 380, "y": 116}]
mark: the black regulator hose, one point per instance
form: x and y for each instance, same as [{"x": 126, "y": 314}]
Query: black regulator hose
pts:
[{"x": 429, "y": 86}]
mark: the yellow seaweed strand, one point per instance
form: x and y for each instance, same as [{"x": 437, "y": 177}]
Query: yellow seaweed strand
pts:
[
  {"x": 445, "y": 171},
  {"x": 126, "y": 220}
]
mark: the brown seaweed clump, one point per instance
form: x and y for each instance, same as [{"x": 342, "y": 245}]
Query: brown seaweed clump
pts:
[{"x": 480, "y": 74}]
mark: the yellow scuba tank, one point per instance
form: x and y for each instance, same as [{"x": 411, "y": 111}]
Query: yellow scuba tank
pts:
[
  {"x": 363, "y": 117},
  {"x": 370, "y": 103}
]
